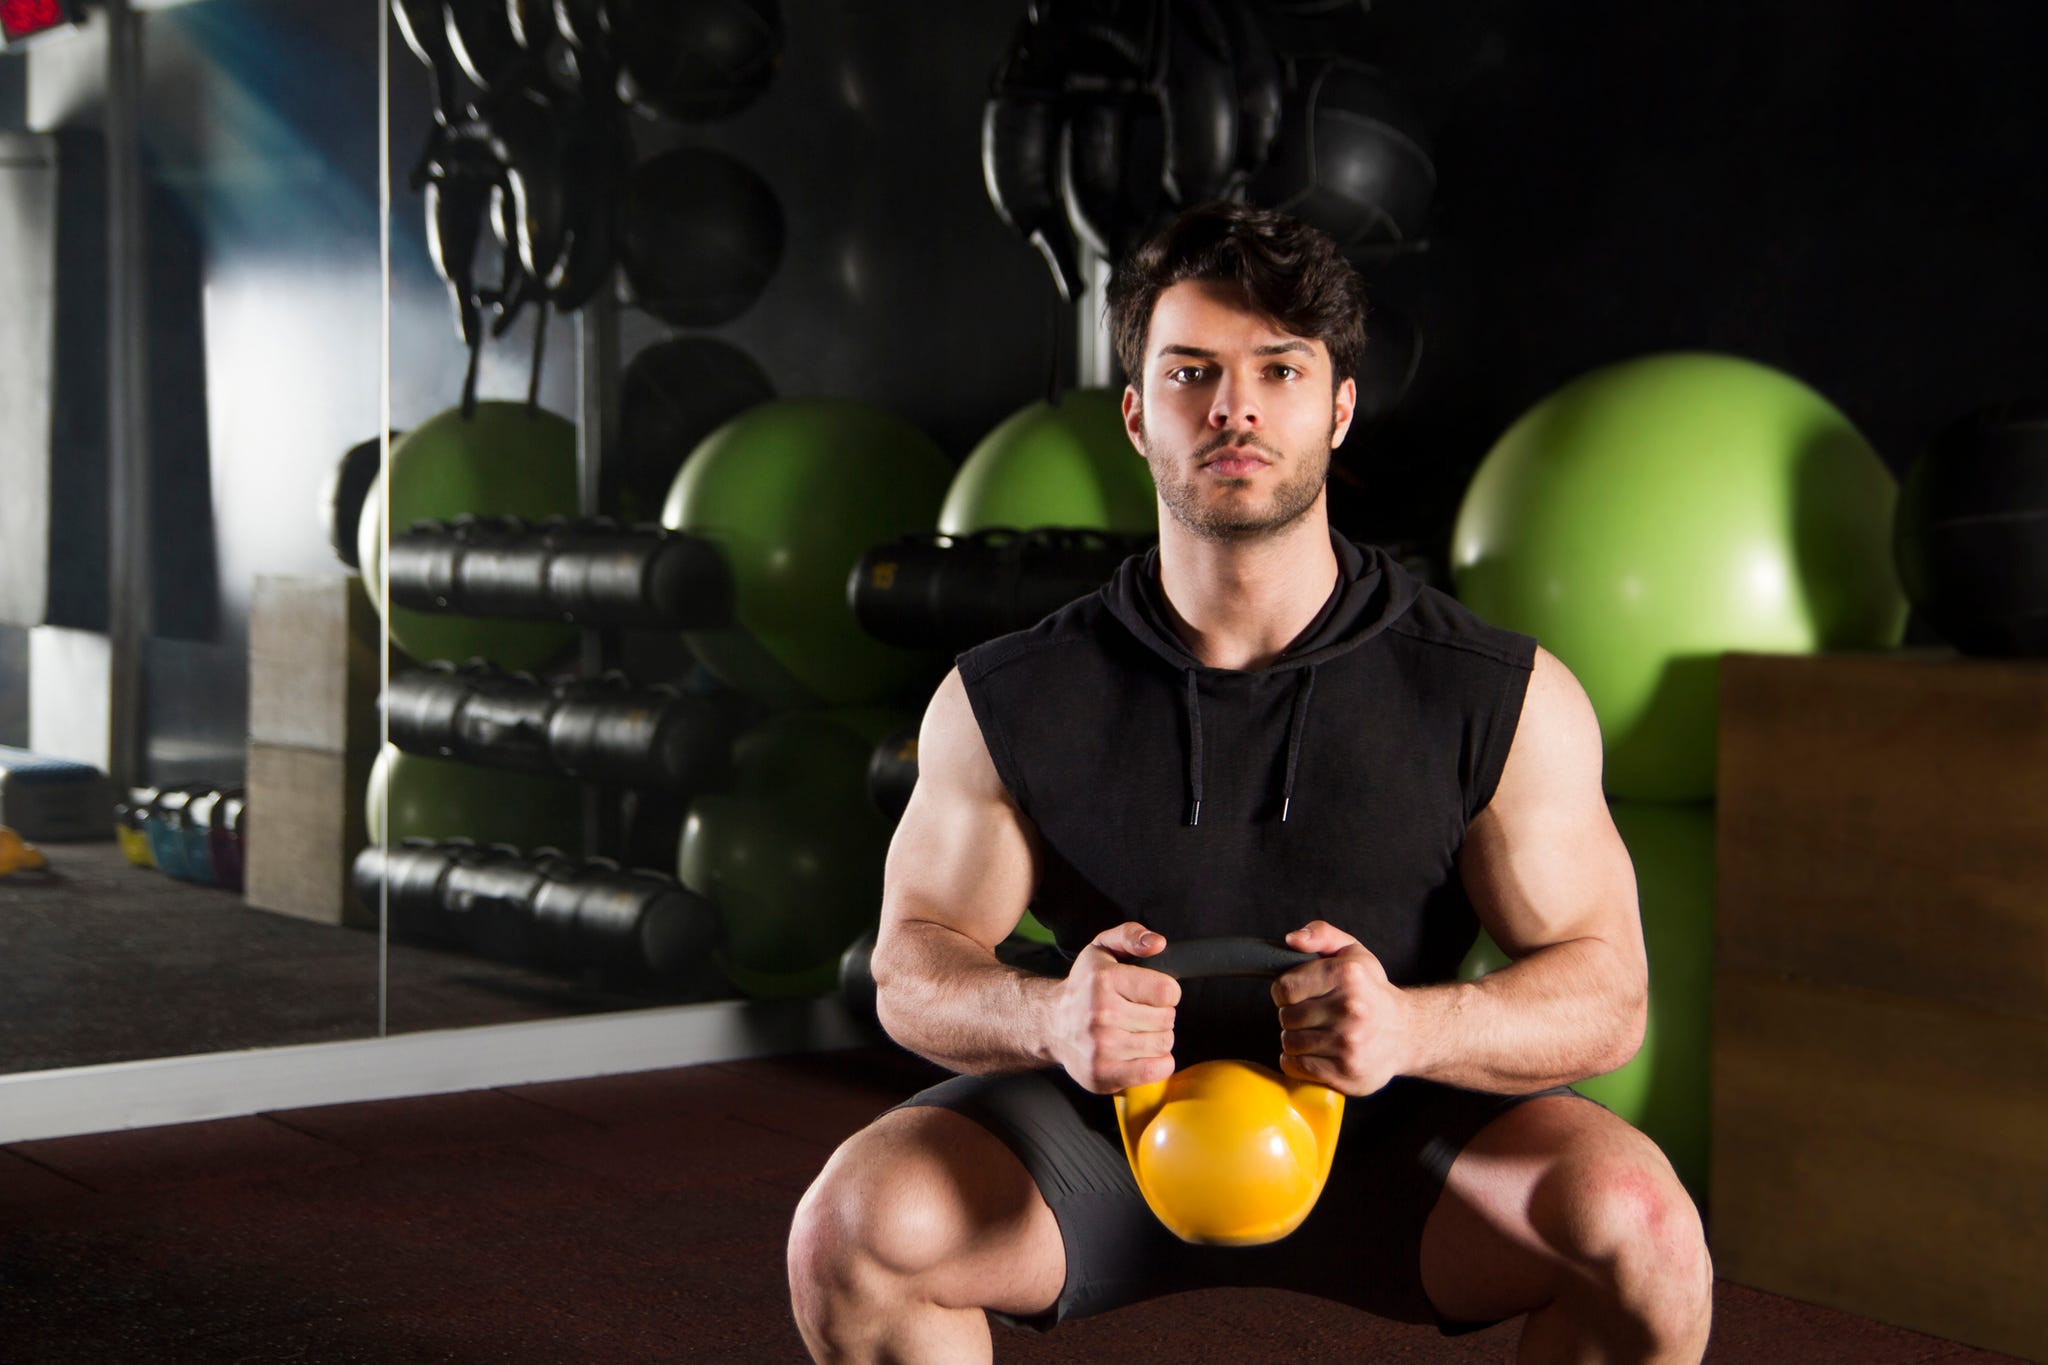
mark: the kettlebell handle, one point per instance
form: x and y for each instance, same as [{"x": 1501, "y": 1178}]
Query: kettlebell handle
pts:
[{"x": 1201, "y": 958}]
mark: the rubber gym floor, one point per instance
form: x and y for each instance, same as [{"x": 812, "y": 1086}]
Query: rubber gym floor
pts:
[{"x": 617, "y": 1219}]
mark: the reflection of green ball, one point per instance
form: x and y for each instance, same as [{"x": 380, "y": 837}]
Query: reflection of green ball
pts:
[
  {"x": 1068, "y": 464},
  {"x": 793, "y": 493},
  {"x": 437, "y": 798},
  {"x": 1651, "y": 516},
  {"x": 1663, "y": 1091},
  {"x": 792, "y": 855},
  {"x": 502, "y": 462}
]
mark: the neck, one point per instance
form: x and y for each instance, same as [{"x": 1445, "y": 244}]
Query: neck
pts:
[{"x": 1238, "y": 603}]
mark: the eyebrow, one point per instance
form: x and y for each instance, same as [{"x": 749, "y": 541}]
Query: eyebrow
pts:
[{"x": 1202, "y": 353}]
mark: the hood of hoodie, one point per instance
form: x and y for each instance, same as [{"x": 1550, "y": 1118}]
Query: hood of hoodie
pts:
[{"x": 1372, "y": 591}]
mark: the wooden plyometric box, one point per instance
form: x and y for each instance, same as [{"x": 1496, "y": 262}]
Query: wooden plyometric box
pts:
[
  {"x": 313, "y": 664},
  {"x": 1880, "y": 1067},
  {"x": 306, "y": 825}
]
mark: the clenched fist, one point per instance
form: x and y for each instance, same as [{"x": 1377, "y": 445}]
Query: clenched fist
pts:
[
  {"x": 1342, "y": 1023},
  {"x": 1113, "y": 1022}
]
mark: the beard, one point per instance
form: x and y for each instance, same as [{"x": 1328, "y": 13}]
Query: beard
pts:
[{"x": 1180, "y": 488}]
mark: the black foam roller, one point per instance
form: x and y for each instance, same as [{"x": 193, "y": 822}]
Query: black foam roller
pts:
[
  {"x": 604, "y": 730},
  {"x": 589, "y": 573},
  {"x": 545, "y": 908},
  {"x": 931, "y": 591}
]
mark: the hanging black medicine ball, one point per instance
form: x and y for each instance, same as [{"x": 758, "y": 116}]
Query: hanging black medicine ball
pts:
[
  {"x": 674, "y": 394},
  {"x": 700, "y": 234},
  {"x": 697, "y": 59},
  {"x": 341, "y": 499},
  {"x": 1971, "y": 536},
  {"x": 1349, "y": 159}
]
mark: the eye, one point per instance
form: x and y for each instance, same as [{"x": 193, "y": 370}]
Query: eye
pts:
[
  {"x": 1284, "y": 372},
  {"x": 1185, "y": 374}
]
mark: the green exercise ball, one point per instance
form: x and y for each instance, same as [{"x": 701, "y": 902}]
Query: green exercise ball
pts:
[
  {"x": 1651, "y": 516},
  {"x": 437, "y": 798},
  {"x": 1065, "y": 464},
  {"x": 1030, "y": 928},
  {"x": 792, "y": 854},
  {"x": 504, "y": 461},
  {"x": 793, "y": 493},
  {"x": 1663, "y": 1091}
]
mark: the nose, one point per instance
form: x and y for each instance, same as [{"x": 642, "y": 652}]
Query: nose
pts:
[{"x": 1235, "y": 405}]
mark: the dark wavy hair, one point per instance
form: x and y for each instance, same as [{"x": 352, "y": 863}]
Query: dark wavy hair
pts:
[{"x": 1290, "y": 272}]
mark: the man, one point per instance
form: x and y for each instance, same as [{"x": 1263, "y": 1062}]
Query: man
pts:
[{"x": 1258, "y": 729}]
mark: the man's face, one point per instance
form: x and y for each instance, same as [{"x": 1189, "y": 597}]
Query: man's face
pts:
[{"x": 1236, "y": 419}]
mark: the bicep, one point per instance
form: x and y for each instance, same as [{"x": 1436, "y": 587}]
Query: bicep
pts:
[
  {"x": 1543, "y": 863},
  {"x": 963, "y": 856}
]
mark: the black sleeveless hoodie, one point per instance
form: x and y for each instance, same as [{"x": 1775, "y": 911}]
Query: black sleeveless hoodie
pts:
[{"x": 1335, "y": 783}]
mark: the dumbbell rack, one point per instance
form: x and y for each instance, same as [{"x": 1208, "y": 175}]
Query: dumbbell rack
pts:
[{"x": 597, "y": 382}]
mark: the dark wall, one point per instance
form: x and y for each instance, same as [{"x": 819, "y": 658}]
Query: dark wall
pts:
[{"x": 1845, "y": 191}]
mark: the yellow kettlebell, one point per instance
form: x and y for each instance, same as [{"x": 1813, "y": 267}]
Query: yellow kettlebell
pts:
[{"x": 1229, "y": 1153}]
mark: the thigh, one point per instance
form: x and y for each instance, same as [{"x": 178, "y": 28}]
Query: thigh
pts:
[
  {"x": 1362, "y": 1244},
  {"x": 1113, "y": 1250},
  {"x": 1522, "y": 1204}
]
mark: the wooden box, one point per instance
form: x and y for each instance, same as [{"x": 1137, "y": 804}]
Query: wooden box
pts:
[
  {"x": 1880, "y": 1064},
  {"x": 313, "y": 664},
  {"x": 306, "y": 826}
]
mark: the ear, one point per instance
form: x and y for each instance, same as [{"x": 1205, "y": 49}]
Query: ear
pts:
[
  {"x": 1345, "y": 404},
  {"x": 1134, "y": 418}
]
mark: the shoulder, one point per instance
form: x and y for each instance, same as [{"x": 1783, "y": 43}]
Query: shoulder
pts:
[
  {"x": 1557, "y": 741},
  {"x": 1077, "y": 626},
  {"x": 952, "y": 753},
  {"x": 1435, "y": 620}
]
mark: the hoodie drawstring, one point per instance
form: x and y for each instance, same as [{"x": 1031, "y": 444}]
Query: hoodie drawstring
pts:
[
  {"x": 1297, "y": 726},
  {"x": 1296, "y": 723}
]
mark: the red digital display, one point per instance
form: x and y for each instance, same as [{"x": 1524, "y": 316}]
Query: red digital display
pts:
[{"x": 25, "y": 18}]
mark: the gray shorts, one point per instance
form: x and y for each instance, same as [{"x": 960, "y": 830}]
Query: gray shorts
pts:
[{"x": 1361, "y": 1245}]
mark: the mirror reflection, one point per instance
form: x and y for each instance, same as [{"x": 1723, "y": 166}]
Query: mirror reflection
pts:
[
  {"x": 646, "y": 369},
  {"x": 685, "y": 346},
  {"x": 191, "y": 339}
]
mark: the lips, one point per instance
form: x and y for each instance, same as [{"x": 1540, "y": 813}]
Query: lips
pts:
[{"x": 1235, "y": 461}]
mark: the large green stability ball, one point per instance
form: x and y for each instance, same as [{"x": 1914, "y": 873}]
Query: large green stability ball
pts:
[
  {"x": 1055, "y": 464},
  {"x": 1664, "y": 1090},
  {"x": 504, "y": 461},
  {"x": 792, "y": 855},
  {"x": 1651, "y": 516},
  {"x": 412, "y": 796},
  {"x": 794, "y": 492}
]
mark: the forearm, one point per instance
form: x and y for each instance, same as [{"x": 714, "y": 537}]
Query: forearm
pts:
[
  {"x": 947, "y": 998},
  {"x": 1558, "y": 1015}
]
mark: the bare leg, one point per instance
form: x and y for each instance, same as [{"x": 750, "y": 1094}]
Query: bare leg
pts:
[
  {"x": 917, "y": 1223},
  {"x": 1560, "y": 1210}
]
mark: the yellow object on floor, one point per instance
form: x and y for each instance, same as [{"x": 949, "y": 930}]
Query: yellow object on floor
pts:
[
  {"x": 17, "y": 854},
  {"x": 135, "y": 846}
]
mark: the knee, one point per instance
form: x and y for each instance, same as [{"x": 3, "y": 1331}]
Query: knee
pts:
[
  {"x": 862, "y": 1229},
  {"x": 1627, "y": 1227}
]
